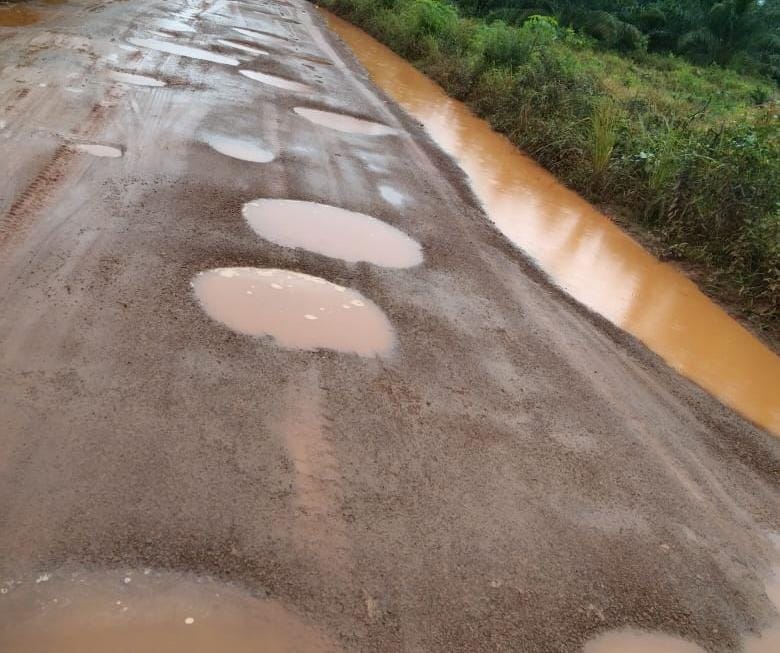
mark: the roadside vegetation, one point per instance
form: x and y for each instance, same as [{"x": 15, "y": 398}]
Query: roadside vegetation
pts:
[{"x": 675, "y": 134}]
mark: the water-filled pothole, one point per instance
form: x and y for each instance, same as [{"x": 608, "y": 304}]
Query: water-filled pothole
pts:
[
  {"x": 183, "y": 50},
  {"x": 239, "y": 148},
  {"x": 259, "y": 36},
  {"x": 95, "y": 149},
  {"x": 298, "y": 310},
  {"x": 275, "y": 80},
  {"x": 136, "y": 80},
  {"x": 343, "y": 122},
  {"x": 629, "y": 640},
  {"x": 175, "y": 25},
  {"x": 392, "y": 196},
  {"x": 241, "y": 46},
  {"x": 154, "y": 612},
  {"x": 332, "y": 231}
]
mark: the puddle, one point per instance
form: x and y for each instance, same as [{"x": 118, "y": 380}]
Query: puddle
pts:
[
  {"x": 174, "y": 25},
  {"x": 105, "y": 151},
  {"x": 239, "y": 148},
  {"x": 392, "y": 196},
  {"x": 136, "y": 80},
  {"x": 261, "y": 36},
  {"x": 297, "y": 310},
  {"x": 343, "y": 122},
  {"x": 240, "y": 46},
  {"x": 629, "y": 640},
  {"x": 183, "y": 51},
  {"x": 274, "y": 80},
  {"x": 332, "y": 231},
  {"x": 17, "y": 16},
  {"x": 132, "y": 611},
  {"x": 582, "y": 250}
]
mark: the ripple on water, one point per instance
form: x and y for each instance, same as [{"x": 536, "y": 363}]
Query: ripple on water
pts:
[
  {"x": 159, "y": 612},
  {"x": 298, "y": 310},
  {"x": 332, "y": 231},
  {"x": 343, "y": 122}
]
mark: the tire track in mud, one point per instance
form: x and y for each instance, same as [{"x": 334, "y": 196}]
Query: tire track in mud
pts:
[{"x": 36, "y": 196}]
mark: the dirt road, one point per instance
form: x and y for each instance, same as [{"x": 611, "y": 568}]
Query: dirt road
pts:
[{"x": 511, "y": 474}]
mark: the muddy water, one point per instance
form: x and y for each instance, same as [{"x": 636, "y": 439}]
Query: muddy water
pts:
[
  {"x": 17, "y": 16},
  {"x": 343, "y": 122},
  {"x": 239, "y": 148},
  {"x": 582, "y": 250},
  {"x": 132, "y": 611},
  {"x": 299, "y": 311},
  {"x": 106, "y": 151},
  {"x": 240, "y": 46},
  {"x": 183, "y": 50},
  {"x": 136, "y": 80},
  {"x": 275, "y": 80},
  {"x": 332, "y": 231},
  {"x": 635, "y": 641}
]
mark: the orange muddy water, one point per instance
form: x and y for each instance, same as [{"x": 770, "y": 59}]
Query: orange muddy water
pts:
[
  {"x": 582, "y": 250},
  {"x": 298, "y": 310},
  {"x": 154, "y": 612},
  {"x": 13, "y": 16}
]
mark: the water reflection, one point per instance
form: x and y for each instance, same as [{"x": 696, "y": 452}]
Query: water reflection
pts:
[{"x": 582, "y": 250}]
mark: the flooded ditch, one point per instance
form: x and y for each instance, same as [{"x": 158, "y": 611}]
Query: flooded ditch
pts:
[{"x": 582, "y": 250}]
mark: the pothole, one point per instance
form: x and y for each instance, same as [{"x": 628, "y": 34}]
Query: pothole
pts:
[
  {"x": 104, "y": 151},
  {"x": 259, "y": 36},
  {"x": 629, "y": 640},
  {"x": 240, "y": 46},
  {"x": 136, "y": 80},
  {"x": 275, "y": 80},
  {"x": 155, "y": 612},
  {"x": 175, "y": 25},
  {"x": 239, "y": 148},
  {"x": 183, "y": 50},
  {"x": 298, "y": 310},
  {"x": 332, "y": 231},
  {"x": 343, "y": 122}
]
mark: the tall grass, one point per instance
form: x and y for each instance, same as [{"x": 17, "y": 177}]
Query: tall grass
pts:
[{"x": 691, "y": 154}]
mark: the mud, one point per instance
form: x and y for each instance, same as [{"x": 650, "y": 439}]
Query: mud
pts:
[
  {"x": 584, "y": 251},
  {"x": 136, "y": 80},
  {"x": 516, "y": 474},
  {"x": 17, "y": 16},
  {"x": 332, "y": 231},
  {"x": 95, "y": 149},
  {"x": 297, "y": 310},
  {"x": 241, "y": 46}
]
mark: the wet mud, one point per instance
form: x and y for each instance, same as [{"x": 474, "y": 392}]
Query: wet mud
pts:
[
  {"x": 244, "y": 149},
  {"x": 276, "y": 81},
  {"x": 183, "y": 51},
  {"x": 343, "y": 122}
]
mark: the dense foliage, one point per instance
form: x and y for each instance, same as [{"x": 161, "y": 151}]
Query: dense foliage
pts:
[
  {"x": 691, "y": 154},
  {"x": 743, "y": 34}
]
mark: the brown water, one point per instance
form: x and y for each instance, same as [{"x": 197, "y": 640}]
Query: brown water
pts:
[
  {"x": 637, "y": 641},
  {"x": 275, "y": 80},
  {"x": 332, "y": 231},
  {"x": 299, "y": 311},
  {"x": 17, "y": 16},
  {"x": 582, "y": 250},
  {"x": 149, "y": 612},
  {"x": 343, "y": 122}
]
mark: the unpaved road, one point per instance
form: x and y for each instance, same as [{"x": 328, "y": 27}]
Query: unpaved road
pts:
[{"x": 516, "y": 475}]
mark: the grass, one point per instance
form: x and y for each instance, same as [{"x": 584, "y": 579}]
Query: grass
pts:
[{"x": 688, "y": 155}]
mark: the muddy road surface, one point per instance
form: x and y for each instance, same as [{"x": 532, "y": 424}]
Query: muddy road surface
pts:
[{"x": 381, "y": 420}]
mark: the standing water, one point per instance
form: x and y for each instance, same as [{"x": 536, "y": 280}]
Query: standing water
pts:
[{"x": 582, "y": 250}]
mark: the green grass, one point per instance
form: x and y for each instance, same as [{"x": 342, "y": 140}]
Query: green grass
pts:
[{"x": 689, "y": 154}]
